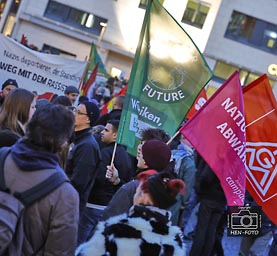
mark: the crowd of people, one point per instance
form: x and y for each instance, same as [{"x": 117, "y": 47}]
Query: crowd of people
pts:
[{"x": 110, "y": 203}]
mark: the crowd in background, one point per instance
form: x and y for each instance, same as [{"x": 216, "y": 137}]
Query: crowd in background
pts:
[{"x": 112, "y": 203}]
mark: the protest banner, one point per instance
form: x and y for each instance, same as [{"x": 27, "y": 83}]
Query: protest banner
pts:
[
  {"x": 36, "y": 71},
  {"x": 167, "y": 75},
  {"x": 261, "y": 144},
  {"x": 217, "y": 132}
]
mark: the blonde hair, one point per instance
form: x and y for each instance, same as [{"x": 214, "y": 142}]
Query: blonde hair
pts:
[{"x": 15, "y": 110}]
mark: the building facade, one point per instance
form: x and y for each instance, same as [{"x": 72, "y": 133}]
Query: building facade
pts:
[
  {"x": 233, "y": 35},
  {"x": 244, "y": 38}
]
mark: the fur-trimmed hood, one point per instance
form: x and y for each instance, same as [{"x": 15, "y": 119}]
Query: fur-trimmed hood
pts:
[{"x": 146, "y": 231}]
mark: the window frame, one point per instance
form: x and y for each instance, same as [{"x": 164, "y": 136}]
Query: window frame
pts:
[{"x": 195, "y": 17}]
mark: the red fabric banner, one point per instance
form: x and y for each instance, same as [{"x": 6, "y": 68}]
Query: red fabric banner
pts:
[
  {"x": 90, "y": 81},
  {"x": 261, "y": 145},
  {"x": 217, "y": 132},
  {"x": 199, "y": 102}
]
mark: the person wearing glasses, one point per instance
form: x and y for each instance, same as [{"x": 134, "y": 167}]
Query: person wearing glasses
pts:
[{"x": 84, "y": 156}]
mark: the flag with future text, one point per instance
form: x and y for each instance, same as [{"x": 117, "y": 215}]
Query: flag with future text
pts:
[
  {"x": 217, "y": 131},
  {"x": 167, "y": 75},
  {"x": 261, "y": 145}
]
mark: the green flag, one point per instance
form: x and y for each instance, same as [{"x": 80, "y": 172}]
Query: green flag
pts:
[
  {"x": 95, "y": 58},
  {"x": 167, "y": 75}
]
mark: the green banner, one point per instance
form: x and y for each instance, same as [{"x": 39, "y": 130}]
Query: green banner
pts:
[{"x": 167, "y": 75}]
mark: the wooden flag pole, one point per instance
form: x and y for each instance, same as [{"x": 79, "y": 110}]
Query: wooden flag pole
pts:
[
  {"x": 114, "y": 149},
  {"x": 173, "y": 137}
]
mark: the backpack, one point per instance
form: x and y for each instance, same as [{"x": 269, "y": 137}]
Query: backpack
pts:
[
  {"x": 179, "y": 157},
  {"x": 12, "y": 207}
]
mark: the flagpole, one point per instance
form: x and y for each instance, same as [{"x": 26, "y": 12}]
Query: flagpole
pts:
[
  {"x": 113, "y": 155},
  {"x": 173, "y": 137},
  {"x": 114, "y": 149}
]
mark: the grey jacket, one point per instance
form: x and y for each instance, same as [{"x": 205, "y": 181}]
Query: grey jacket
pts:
[{"x": 53, "y": 220}]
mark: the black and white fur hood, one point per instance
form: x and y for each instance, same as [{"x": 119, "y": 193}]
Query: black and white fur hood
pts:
[{"x": 146, "y": 231}]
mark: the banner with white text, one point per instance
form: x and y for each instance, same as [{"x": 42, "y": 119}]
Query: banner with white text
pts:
[
  {"x": 217, "y": 132},
  {"x": 167, "y": 75}
]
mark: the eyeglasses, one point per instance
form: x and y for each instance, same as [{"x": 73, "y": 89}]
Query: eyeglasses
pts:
[{"x": 79, "y": 112}]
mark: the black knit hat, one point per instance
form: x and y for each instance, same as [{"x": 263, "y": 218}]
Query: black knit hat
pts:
[
  {"x": 156, "y": 154},
  {"x": 9, "y": 82},
  {"x": 93, "y": 112},
  {"x": 158, "y": 188},
  {"x": 71, "y": 89}
]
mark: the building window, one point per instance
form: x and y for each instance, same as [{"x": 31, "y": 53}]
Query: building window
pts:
[
  {"x": 75, "y": 17},
  {"x": 196, "y": 13},
  {"x": 143, "y": 3},
  {"x": 223, "y": 71},
  {"x": 251, "y": 31},
  {"x": 52, "y": 50}
]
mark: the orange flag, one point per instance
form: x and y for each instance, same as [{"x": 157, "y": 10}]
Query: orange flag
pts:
[
  {"x": 199, "y": 102},
  {"x": 261, "y": 145}
]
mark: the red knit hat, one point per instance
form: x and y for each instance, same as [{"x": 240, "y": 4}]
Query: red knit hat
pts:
[{"x": 156, "y": 154}]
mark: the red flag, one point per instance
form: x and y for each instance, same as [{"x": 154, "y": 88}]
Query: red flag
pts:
[
  {"x": 199, "y": 102},
  {"x": 46, "y": 95},
  {"x": 217, "y": 131},
  {"x": 23, "y": 39},
  {"x": 261, "y": 145},
  {"x": 109, "y": 105},
  {"x": 90, "y": 81}
]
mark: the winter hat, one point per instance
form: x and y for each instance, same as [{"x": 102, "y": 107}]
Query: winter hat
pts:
[
  {"x": 71, "y": 89},
  {"x": 156, "y": 154},
  {"x": 9, "y": 82},
  {"x": 163, "y": 188},
  {"x": 93, "y": 112}
]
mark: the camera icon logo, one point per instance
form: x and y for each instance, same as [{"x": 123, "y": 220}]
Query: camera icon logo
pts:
[{"x": 244, "y": 219}]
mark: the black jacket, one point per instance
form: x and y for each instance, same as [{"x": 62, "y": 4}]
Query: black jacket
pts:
[
  {"x": 207, "y": 185},
  {"x": 82, "y": 163},
  {"x": 103, "y": 190}
]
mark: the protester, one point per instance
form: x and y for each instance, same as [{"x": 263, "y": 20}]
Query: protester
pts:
[
  {"x": 63, "y": 100},
  {"x": 257, "y": 245},
  {"x": 147, "y": 229},
  {"x": 96, "y": 132},
  {"x": 83, "y": 98},
  {"x": 153, "y": 154},
  {"x": 72, "y": 93},
  {"x": 50, "y": 224},
  {"x": 7, "y": 86},
  {"x": 63, "y": 154},
  {"x": 103, "y": 189},
  {"x": 84, "y": 157},
  {"x": 212, "y": 207},
  {"x": 185, "y": 170},
  {"x": 17, "y": 110},
  {"x": 115, "y": 113},
  {"x": 40, "y": 103}
]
